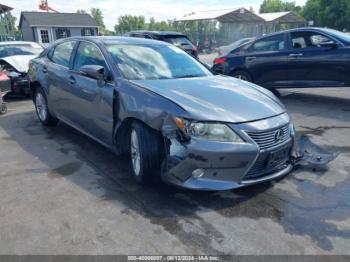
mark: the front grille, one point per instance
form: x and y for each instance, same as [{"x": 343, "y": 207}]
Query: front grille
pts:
[
  {"x": 267, "y": 139},
  {"x": 260, "y": 169}
]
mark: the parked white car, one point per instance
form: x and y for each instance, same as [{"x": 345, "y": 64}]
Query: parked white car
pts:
[{"x": 14, "y": 59}]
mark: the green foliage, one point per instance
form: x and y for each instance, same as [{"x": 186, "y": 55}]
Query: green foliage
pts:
[
  {"x": 8, "y": 27},
  {"x": 96, "y": 13},
  {"x": 159, "y": 26},
  {"x": 269, "y": 6},
  {"x": 81, "y": 11},
  {"x": 129, "y": 22},
  {"x": 198, "y": 30},
  {"x": 334, "y": 14}
]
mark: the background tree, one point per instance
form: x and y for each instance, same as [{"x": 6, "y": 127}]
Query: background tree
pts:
[
  {"x": 128, "y": 23},
  {"x": 96, "y": 13},
  {"x": 334, "y": 14},
  {"x": 269, "y": 6},
  {"x": 9, "y": 27},
  {"x": 81, "y": 11}
]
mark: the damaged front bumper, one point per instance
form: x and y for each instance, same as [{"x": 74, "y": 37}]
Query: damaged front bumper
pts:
[
  {"x": 209, "y": 165},
  {"x": 20, "y": 83}
]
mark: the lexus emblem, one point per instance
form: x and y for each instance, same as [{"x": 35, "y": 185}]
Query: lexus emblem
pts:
[{"x": 279, "y": 134}]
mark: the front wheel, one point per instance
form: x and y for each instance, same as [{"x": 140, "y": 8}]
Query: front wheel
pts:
[
  {"x": 3, "y": 109},
  {"x": 242, "y": 76},
  {"x": 146, "y": 150},
  {"x": 42, "y": 109}
]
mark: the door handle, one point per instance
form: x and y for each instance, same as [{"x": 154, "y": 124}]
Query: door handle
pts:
[
  {"x": 72, "y": 80},
  {"x": 296, "y": 55},
  {"x": 44, "y": 69},
  {"x": 251, "y": 58}
]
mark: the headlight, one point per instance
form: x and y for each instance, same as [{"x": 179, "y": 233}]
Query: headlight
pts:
[{"x": 208, "y": 131}]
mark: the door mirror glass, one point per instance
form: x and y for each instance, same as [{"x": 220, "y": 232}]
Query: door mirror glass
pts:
[{"x": 94, "y": 71}]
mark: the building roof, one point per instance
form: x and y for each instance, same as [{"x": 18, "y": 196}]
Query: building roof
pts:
[
  {"x": 58, "y": 19},
  {"x": 282, "y": 17},
  {"x": 230, "y": 15},
  {"x": 5, "y": 8}
]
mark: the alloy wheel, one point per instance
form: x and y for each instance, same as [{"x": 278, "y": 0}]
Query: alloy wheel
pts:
[
  {"x": 135, "y": 153},
  {"x": 241, "y": 77},
  {"x": 41, "y": 107}
]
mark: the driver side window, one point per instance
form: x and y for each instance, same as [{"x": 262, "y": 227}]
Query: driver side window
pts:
[
  {"x": 88, "y": 54},
  {"x": 301, "y": 40}
]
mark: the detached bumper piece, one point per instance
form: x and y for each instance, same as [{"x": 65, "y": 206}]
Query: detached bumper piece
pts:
[{"x": 308, "y": 153}]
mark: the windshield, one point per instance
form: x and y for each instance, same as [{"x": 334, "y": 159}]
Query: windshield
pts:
[
  {"x": 146, "y": 62},
  {"x": 338, "y": 34},
  {"x": 19, "y": 49}
]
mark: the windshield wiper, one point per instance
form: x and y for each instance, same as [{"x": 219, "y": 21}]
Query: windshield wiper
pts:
[{"x": 188, "y": 76}]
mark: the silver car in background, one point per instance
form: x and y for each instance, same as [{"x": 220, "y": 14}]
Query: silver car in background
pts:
[{"x": 171, "y": 115}]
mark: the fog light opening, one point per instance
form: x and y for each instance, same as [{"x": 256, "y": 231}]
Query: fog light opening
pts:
[{"x": 198, "y": 173}]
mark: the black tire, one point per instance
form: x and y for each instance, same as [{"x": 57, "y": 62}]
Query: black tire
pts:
[
  {"x": 242, "y": 75},
  {"x": 46, "y": 119},
  {"x": 151, "y": 150},
  {"x": 3, "y": 109}
]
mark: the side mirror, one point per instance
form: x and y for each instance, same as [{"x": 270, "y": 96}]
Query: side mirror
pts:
[
  {"x": 329, "y": 44},
  {"x": 94, "y": 71}
]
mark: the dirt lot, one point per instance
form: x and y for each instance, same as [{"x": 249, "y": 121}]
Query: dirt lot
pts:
[{"x": 61, "y": 193}]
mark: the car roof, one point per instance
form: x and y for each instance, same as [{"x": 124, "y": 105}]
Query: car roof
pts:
[
  {"x": 301, "y": 29},
  {"x": 162, "y": 33},
  {"x": 116, "y": 40},
  {"x": 19, "y": 43}
]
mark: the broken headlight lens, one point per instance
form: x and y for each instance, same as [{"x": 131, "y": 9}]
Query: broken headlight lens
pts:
[{"x": 208, "y": 131}]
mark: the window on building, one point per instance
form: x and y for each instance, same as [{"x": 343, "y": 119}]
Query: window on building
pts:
[
  {"x": 62, "y": 33},
  {"x": 44, "y": 36},
  {"x": 87, "y": 32}
]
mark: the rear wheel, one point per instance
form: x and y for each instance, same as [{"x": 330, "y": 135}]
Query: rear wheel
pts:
[
  {"x": 242, "y": 75},
  {"x": 42, "y": 109},
  {"x": 146, "y": 150}
]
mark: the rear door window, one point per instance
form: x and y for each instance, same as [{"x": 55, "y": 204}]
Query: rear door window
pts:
[
  {"x": 272, "y": 43},
  {"x": 62, "y": 53}
]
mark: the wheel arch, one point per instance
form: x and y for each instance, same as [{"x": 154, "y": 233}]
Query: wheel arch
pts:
[
  {"x": 242, "y": 69},
  {"x": 122, "y": 132}
]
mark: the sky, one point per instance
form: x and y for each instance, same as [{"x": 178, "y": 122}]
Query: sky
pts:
[{"x": 112, "y": 9}]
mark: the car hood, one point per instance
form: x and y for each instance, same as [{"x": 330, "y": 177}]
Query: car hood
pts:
[
  {"x": 217, "y": 98},
  {"x": 19, "y": 62}
]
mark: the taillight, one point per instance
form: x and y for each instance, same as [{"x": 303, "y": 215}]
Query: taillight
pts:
[{"x": 219, "y": 60}]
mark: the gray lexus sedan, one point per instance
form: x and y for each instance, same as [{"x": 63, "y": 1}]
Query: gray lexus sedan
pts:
[{"x": 175, "y": 119}]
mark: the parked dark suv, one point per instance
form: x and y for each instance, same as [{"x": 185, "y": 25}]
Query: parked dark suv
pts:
[
  {"x": 175, "y": 38},
  {"x": 306, "y": 57}
]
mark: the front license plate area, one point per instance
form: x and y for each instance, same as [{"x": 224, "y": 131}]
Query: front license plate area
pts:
[{"x": 278, "y": 157}]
